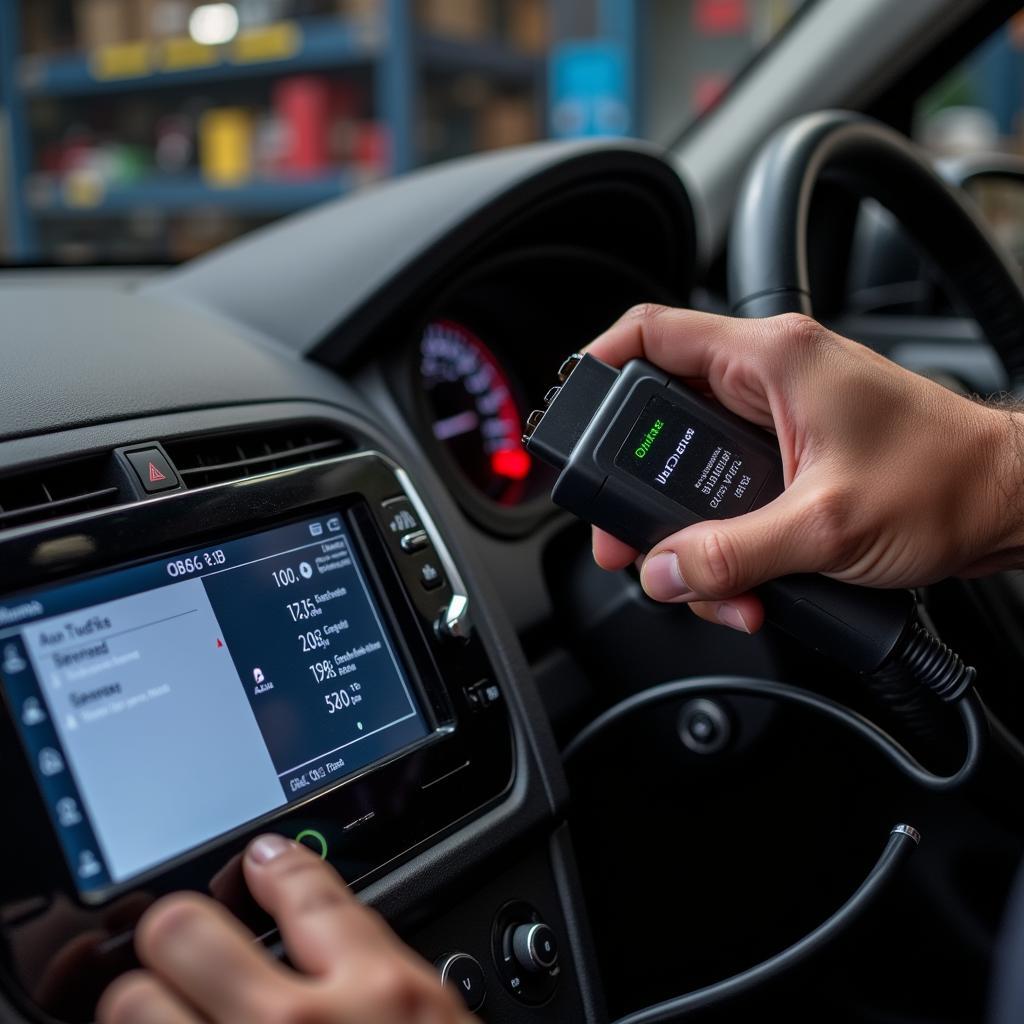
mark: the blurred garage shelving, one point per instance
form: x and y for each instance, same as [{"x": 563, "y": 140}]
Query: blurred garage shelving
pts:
[
  {"x": 145, "y": 143},
  {"x": 395, "y": 64}
]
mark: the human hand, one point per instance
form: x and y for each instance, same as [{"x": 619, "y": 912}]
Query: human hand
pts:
[
  {"x": 201, "y": 965},
  {"x": 891, "y": 479}
]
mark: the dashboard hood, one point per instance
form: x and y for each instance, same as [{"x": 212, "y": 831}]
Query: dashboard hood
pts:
[
  {"x": 349, "y": 262},
  {"x": 247, "y": 322}
]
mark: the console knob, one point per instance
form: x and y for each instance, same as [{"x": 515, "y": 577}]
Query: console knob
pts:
[
  {"x": 453, "y": 623},
  {"x": 535, "y": 947},
  {"x": 465, "y": 974}
]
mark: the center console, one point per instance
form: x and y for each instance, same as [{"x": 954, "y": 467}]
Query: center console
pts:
[{"x": 291, "y": 652}]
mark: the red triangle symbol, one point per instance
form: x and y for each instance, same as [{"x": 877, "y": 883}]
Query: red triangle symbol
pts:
[
  {"x": 155, "y": 476},
  {"x": 219, "y": 642}
]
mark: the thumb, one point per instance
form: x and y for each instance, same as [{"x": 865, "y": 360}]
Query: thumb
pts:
[
  {"x": 321, "y": 921},
  {"x": 719, "y": 559}
]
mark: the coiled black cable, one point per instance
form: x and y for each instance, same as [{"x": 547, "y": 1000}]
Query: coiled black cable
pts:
[
  {"x": 970, "y": 709},
  {"x": 903, "y": 840},
  {"x": 924, "y": 658}
]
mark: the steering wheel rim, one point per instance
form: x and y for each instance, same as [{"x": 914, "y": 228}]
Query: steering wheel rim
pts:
[{"x": 769, "y": 271}]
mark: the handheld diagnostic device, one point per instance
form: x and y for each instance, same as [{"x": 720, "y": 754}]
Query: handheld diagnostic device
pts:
[{"x": 642, "y": 456}]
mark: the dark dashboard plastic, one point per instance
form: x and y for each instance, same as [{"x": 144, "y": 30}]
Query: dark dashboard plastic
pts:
[{"x": 233, "y": 341}]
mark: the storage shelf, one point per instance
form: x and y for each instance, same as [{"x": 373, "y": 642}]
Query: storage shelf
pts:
[
  {"x": 174, "y": 195},
  {"x": 497, "y": 59},
  {"x": 394, "y": 52},
  {"x": 321, "y": 43}
]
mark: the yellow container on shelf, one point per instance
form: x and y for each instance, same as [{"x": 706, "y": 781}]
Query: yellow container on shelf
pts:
[{"x": 226, "y": 146}]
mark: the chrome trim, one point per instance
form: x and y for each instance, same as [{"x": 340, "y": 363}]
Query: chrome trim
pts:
[
  {"x": 456, "y": 617},
  {"x": 98, "y": 513},
  {"x": 444, "y": 968},
  {"x": 531, "y": 937},
  {"x": 908, "y": 830}
]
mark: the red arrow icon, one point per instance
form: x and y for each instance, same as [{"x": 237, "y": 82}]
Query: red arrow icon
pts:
[
  {"x": 219, "y": 642},
  {"x": 155, "y": 476}
]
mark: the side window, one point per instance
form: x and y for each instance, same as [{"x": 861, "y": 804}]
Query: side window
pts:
[
  {"x": 978, "y": 106},
  {"x": 974, "y": 118}
]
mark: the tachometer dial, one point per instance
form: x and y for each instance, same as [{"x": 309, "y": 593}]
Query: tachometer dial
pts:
[{"x": 473, "y": 411}]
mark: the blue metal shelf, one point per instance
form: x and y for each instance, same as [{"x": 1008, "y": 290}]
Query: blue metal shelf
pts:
[
  {"x": 324, "y": 43},
  {"x": 395, "y": 52},
  {"x": 495, "y": 58},
  {"x": 174, "y": 195}
]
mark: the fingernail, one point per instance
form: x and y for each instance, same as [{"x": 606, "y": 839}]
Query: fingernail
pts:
[
  {"x": 729, "y": 615},
  {"x": 661, "y": 578},
  {"x": 266, "y": 848}
]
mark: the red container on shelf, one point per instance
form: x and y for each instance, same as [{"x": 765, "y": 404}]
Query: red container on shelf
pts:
[
  {"x": 303, "y": 105},
  {"x": 371, "y": 150}
]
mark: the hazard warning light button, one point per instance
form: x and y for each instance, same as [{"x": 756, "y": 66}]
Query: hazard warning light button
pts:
[{"x": 153, "y": 470}]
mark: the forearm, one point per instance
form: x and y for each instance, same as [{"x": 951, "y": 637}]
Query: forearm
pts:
[{"x": 998, "y": 506}]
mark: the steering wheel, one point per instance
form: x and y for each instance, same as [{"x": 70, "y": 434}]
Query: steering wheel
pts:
[
  {"x": 770, "y": 273},
  {"x": 769, "y": 267}
]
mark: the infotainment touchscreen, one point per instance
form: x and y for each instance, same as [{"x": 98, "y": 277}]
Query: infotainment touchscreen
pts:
[{"x": 166, "y": 704}]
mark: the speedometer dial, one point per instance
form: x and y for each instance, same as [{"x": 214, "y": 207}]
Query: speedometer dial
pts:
[{"x": 474, "y": 414}]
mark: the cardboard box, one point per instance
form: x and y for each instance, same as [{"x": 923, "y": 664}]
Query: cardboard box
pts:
[
  {"x": 361, "y": 11},
  {"x": 457, "y": 19},
  {"x": 40, "y": 32},
  {"x": 104, "y": 23},
  {"x": 164, "y": 19},
  {"x": 529, "y": 25},
  {"x": 508, "y": 121}
]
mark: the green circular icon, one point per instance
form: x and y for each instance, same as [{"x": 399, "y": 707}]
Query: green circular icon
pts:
[{"x": 316, "y": 841}]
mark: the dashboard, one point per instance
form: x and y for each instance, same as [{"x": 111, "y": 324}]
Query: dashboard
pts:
[
  {"x": 484, "y": 355},
  {"x": 241, "y": 510},
  {"x": 300, "y": 482}
]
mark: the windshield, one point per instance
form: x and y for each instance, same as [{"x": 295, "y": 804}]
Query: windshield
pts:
[{"x": 149, "y": 131}]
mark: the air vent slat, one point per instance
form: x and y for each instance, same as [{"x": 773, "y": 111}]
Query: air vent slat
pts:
[
  {"x": 57, "y": 490},
  {"x": 220, "y": 458},
  {"x": 289, "y": 455},
  {"x": 50, "y": 509}
]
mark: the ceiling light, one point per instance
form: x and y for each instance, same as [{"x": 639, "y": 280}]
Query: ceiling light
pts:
[{"x": 213, "y": 24}]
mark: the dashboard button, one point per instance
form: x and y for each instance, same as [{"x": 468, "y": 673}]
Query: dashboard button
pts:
[
  {"x": 313, "y": 840},
  {"x": 483, "y": 694},
  {"x": 525, "y": 951},
  {"x": 464, "y": 973},
  {"x": 430, "y": 576},
  {"x": 399, "y": 516},
  {"x": 453, "y": 622},
  {"x": 414, "y": 541},
  {"x": 153, "y": 470},
  {"x": 535, "y": 947},
  {"x": 704, "y": 726}
]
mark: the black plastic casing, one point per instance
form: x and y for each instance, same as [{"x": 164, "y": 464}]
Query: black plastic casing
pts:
[
  {"x": 371, "y": 819},
  {"x": 596, "y": 488},
  {"x": 583, "y": 432}
]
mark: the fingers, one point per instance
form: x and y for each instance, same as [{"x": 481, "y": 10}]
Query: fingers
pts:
[
  {"x": 140, "y": 998},
  {"x": 680, "y": 341},
  {"x": 610, "y": 553},
  {"x": 204, "y": 954},
  {"x": 744, "y": 613},
  {"x": 393, "y": 988},
  {"x": 329, "y": 933},
  {"x": 720, "y": 559},
  {"x": 320, "y": 920}
]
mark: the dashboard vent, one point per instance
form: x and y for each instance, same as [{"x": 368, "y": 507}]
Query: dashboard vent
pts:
[
  {"x": 216, "y": 458},
  {"x": 60, "y": 490}
]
